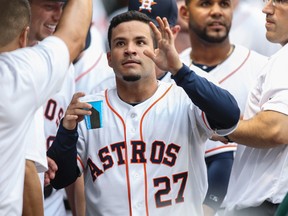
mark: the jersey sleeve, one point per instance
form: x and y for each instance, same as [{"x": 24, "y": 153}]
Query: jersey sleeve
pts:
[
  {"x": 275, "y": 88},
  {"x": 220, "y": 107},
  {"x": 34, "y": 73},
  {"x": 36, "y": 148}
]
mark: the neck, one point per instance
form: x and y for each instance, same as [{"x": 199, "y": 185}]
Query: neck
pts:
[
  {"x": 211, "y": 56},
  {"x": 136, "y": 92}
]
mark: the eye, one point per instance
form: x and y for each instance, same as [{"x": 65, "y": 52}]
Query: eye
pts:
[
  {"x": 205, "y": 3},
  {"x": 48, "y": 7},
  {"x": 141, "y": 42},
  {"x": 283, "y": 1},
  {"x": 225, "y": 4},
  {"x": 119, "y": 43}
]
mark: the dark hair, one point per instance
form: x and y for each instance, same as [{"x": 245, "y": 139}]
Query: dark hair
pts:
[
  {"x": 126, "y": 17},
  {"x": 15, "y": 16}
]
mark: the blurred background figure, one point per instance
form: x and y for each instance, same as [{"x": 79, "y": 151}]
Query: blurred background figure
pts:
[
  {"x": 248, "y": 27},
  {"x": 182, "y": 41}
]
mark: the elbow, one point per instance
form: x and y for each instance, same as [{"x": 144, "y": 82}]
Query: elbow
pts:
[
  {"x": 235, "y": 117},
  {"x": 278, "y": 137},
  {"x": 232, "y": 113},
  {"x": 232, "y": 118}
]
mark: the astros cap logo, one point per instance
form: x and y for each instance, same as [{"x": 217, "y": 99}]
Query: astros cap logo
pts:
[{"x": 146, "y": 5}]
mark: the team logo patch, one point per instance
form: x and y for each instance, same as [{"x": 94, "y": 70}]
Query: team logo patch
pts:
[{"x": 146, "y": 5}]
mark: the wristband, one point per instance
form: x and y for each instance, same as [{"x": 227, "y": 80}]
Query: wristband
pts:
[{"x": 228, "y": 139}]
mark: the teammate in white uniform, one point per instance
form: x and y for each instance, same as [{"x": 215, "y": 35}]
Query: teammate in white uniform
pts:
[
  {"x": 28, "y": 77},
  {"x": 234, "y": 67},
  {"x": 147, "y": 157},
  {"x": 259, "y": 177},
  {"x": 45, "y": 17}
]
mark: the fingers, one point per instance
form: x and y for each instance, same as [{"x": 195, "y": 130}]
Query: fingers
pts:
[
  {"x": 164, "y": 28},
  {"x": 52, "y": 164},
  {"x": 150, "y": 54},
  {"x": 76, "y": 111},
  {"x": 51, "y": 172},
  {"x": 156, "y": 31}
]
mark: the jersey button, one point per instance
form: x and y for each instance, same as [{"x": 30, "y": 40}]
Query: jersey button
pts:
[{"x": 133, "y": 115}]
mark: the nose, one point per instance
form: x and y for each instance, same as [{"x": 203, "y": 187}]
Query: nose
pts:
[
  {"x": 268, "y": 7},
  {"x": 130, "y": 49},
  {"x": 216, "y": 10},
  {"x": 57, "y": 12}
]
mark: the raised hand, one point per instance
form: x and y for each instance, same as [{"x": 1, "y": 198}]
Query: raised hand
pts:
[{"x": 166, "y": 56}]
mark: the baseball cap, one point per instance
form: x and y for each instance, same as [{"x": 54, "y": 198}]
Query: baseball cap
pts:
[{"x": 154, "y": 8}]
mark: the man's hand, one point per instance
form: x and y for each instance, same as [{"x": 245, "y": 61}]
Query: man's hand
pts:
[
  {"x": 219, "y": 138},
  {"x": 166, "y": 56},
  {"x": 76, "y": 111},
  {"x": 51, "y": 172}
]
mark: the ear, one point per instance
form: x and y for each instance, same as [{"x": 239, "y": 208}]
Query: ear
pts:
[
  {"x": 175, "y": 30},
  {"x": 23, "y": 39},
  {"x": 184, "y": 13},
  {"x": 108, "y": 55}
]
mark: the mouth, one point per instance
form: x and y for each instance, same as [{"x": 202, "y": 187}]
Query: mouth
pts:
[
  {"x": 130, "y": 62},
  {"x": 51, "y": 27},
  {"x": 269, "y": 21},
  {"x": 216, "y": 24}
]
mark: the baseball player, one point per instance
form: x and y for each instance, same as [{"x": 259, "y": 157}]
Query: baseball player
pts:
[
  {"x": 45, "y": 17},
  {"x": 147, "y": 156},
  {"x": 234, "y": 67},
  {"x": 28, "y": 78},
  {"x": 259, "y": 179}
]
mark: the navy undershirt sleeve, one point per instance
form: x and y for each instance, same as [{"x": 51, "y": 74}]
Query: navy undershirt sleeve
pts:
[
  {"x": 64, "y": 152},
  {"x": 219, "y": 105}
]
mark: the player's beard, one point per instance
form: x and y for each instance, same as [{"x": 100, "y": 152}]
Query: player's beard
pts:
[
  {"x": 132, "y": 78},
  {"x": 216, "y": 38}
]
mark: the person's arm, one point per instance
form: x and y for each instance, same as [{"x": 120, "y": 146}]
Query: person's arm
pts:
[
  {"x": 74, "y": 25},
  {"x": 265, "y": 130},
  {"x": 76, "y": 197},
  {"x": 63, "y": 149},
  {"x": 32, "y": 199},
  {"x": 64, "y": 152},
  {"x": 219, "y": 105}
]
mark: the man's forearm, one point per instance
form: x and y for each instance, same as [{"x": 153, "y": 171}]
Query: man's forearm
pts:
[
  {"x": 267, "y": 129},
  {"x": 33, "y": 192},
  {"x": 218, "y": 104},
  {"x": 64, "y": 152}
]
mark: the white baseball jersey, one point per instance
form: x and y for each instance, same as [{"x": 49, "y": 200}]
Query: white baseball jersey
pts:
[
  {"x": 36, "y": 148},
  {"x": 54, "y": 111},
  {"x": 29, "y": 77},
  {"x": 92, "y": 72},
  {"x": 146, "y": 159},
  {"x": 237, "y": 74},
  {"x": 261, "y": 174}
]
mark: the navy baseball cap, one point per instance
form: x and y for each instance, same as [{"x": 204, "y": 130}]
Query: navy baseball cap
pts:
[{"x": 154, "y": 8}]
